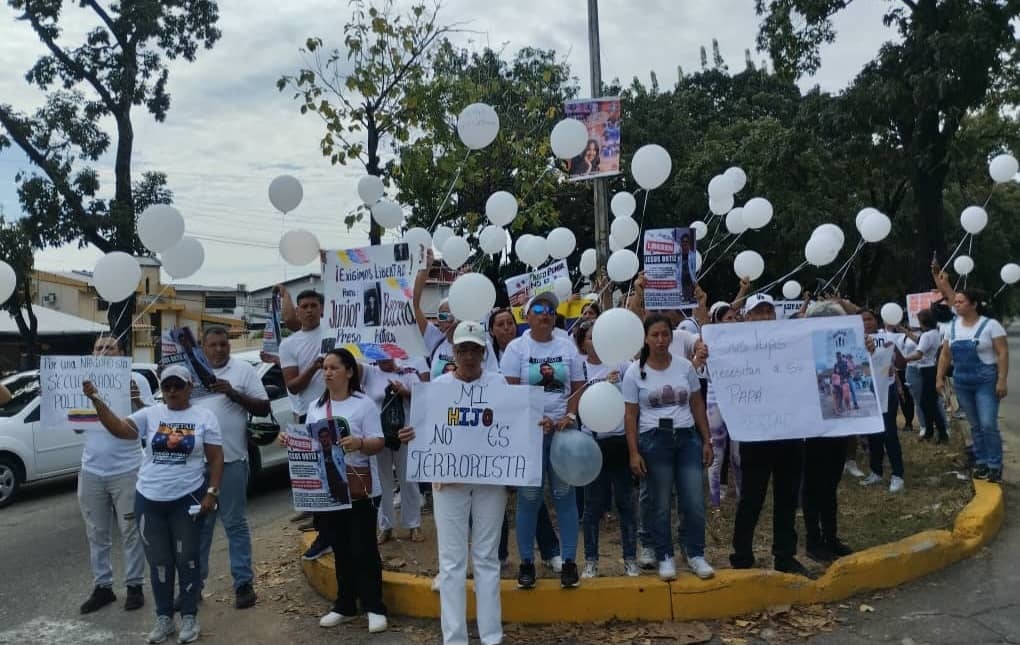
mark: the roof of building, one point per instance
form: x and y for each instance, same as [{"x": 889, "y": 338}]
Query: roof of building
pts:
[
  {"x": 52, "y": 323},
  {"x": 202, "y": 287},
  {"x": 302, "y": 278}
]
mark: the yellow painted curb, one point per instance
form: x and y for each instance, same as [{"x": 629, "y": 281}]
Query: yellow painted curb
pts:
[{"x": 730, "y": 593}]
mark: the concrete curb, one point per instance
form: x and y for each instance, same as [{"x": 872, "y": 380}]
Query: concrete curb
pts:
[{"x": 730, "y": 593}]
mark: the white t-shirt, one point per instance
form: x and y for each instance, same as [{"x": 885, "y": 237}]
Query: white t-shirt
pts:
[
  {"x": 300, "y": 350},
  {"x": 106, "y": 455},
  {"x": 144, "y": 389},
  {"x": 552, "y": 365},
  {"x": 358, "y": 416},
  {"x": 374, "y": 382},
  {"x": 487, "y": 378},
  {"x": 443, "y": 354},
  {"x": 175, "y": 440},
  {"x": 232, "y": 417},
  {"x": 662, "y": 394},
  {"x": 985, "y": 348},
  {"x": 597, "y": 374},
  {"x": 928, "y": 345}
]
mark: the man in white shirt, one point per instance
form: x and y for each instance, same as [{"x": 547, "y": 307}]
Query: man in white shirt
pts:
[{"x": 237, "y": 393}]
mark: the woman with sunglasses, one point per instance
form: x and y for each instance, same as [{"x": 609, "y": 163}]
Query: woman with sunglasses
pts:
[{"x": 171, "y": 496}]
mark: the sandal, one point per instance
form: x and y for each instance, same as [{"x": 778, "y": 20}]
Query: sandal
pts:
[{"x": 416, "y": 535}]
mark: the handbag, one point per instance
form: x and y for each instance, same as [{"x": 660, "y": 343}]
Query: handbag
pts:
[{"x": 359, "y": 478}]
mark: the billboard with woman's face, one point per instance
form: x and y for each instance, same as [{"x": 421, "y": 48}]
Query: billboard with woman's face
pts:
[{"x": 601, "y": 155}]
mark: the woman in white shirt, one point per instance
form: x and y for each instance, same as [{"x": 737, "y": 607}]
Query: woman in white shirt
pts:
[
  {"x": 353, "y": 418},
  {"x": 668, "y": 441},
  {"x": 172, "y": 496},
  {"x": 925, "y": 357}
]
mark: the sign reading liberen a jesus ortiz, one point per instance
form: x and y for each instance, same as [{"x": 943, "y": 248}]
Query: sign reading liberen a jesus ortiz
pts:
[{"x": 475, "y": 434}]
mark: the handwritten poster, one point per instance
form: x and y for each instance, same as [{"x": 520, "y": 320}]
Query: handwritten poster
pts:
[
  {"x": 601, "y": 154},
  {"x": 271, "y": 334},
  {"x": 181, "y": 347},
  {"x": 793, "y": 379},
  {"x": 318, "y": 472},
  {"x": 521, "y": 287},
  {"x": 918, "y": 302},
  {"x": 670, "y": 268},
  {"x": 475, "y": 434},
  {"x": 368, "y": 295},
  {"x": 62, "y": 404}
]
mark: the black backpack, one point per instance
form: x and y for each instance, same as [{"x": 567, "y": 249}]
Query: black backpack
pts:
[{"x": 392, "y": 418}]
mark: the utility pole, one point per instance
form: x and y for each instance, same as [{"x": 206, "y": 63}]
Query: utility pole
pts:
[{"x": 601, "y": 194}]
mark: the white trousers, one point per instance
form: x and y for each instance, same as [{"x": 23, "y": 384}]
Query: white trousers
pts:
[
  {"x": 410, "y": 496},
  {"x": 454, "y": 507}
]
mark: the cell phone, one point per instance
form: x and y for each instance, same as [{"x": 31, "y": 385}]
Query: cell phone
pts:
[
  {"x": 194, "y": 509},
  {"x": 666, "y": 423}
]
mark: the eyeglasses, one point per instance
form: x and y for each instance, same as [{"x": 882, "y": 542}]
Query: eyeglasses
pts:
[
  {"x": 539, "y": 309},
  {"x": 444, "y": 316}
]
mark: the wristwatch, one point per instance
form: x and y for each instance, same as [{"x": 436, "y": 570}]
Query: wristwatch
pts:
[
  {"x": 212, "y": 490},
  {"x": 572, "y": 416}
]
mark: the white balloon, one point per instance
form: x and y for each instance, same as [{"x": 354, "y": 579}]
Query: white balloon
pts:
[
  {"x": 568, "y": 138},
  {"x": 720, "y": 205},
  {"x": 720, "y": 187},
  {"x": 387, "y": 214},
  {"x": 625, "y": 230},
  {"x": 299, "y": 247},
  {"x": 820, "y": 250},
  {"x": 160, "y": 226},
  {"x": 963, "y": 265},
  {"x": 700, "y": 229},
  {"x": 8, "y": 281},
  {"x": 1002, "y": 168},
  {"x": 737, "y": 177},
  {"x": 791, "y": 290},
  {"x": 623, "y": 204},
  {"x": 501, "y": 208},
  {"x": 892, "y": 313},
  {"x": 1010, "y": 273},
  {"x": 697, "y": 261},
  {"x": 455, "y": 252},
  {"x": 562, "y": 287},
  {"x": 864, "y": 212},
  {"x": 440, "y": 236},
  {"x": 974, "y": 219},
  {"x": 471, "y": 296},
  {"x": 521, "y": 247},
  {"x": 538, "y": 250},
  {"x": 477, "y": 125},
  {"x": 622, "y": 266},
  {"x": 415, "y": 238},
  {"x": 492, "y": 239},
  {"x": 184, "y": 258},
  {"x": 614, "y": 246},
  {"x": 601, "y": 407},
  {"x": 370, "y": 189},
  {"x": 561, "y": 242},
  {"x": 617, "y": 335},
  {"x": 748, "y": 264},
  {"x": 757, "y": 212},
  {"x": 588, "y": 262},
  {"x": 651, "y": 166},
  {"x": 116, "y": 276},
  {"x": 876, "y": 227},
  {"x": 285, "y": 193},
  {"x": 833, "y": 230},
  {"x": 735, "y": 221}
]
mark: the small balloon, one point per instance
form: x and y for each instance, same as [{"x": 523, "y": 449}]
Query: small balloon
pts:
[
  {"x": 757, "y": 213},
  {"x": 8, "y": 282},
  {"x": 623, "y": 204},
  {"x": 116, "y": 276},
  {"x": 575, "y": 457},
  {"x": 501, "y": 208},
  {"x": 160, "y": 226},
  {"x": 1010, "y": 273},
  {"x": 737, "y": 177},
  {"x": 561, "y": 242},
  {"x": 1002, "y": 168},
  {"x": 477, "y": 125},
  {"x": 876, "y": 227},
  {"x": 472, "y": 296},
  {"x": 601, "y": 407},
  {"x": 892, "y": 313},
  {"x": 735, "y": 221},
  {"x": 538, "y": 249},
  {"x": 833, "y": 230},
  {"x": 618, "y": 335},
  {"x": 700, "y": 229},
  {"x": 416, "y": 238},
  {"x": 625, "y": 230},
  {"x": 697, "y": 261},
  {"x": 720, "y": 187},
  {"x": 974, "y": 219},
  {"x": 588, "y": 262},
  {"x": 651, "y": 166},
  {"x": 568, "y": 138},
  {"x": 791, "y": 290},
  {"x": 622, "y": 266},
  {"x": 963, "y": 265},
  {"x": 492, "y": 239},
  {"x": 720, "y": 205},
  {"x": 184, "y": 258},
  {"x": 562, "y": 287},
  {"x": 455, "y": 252},
  {"x": 614, "y": 246},
  {"x": 299, "y": 247},
  {"x": 387, "y": 214},
  {"x": 863, "y": 213},
  {"x": 820, "y": 250},
  {"x": 748, "y": 265},
  {"x": 370, "y": 189},
  {"x": 440, "y": 236},
  {"x": 285, "y": 193}
]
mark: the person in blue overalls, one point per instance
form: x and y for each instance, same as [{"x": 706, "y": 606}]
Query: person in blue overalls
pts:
[{"x": 976, "y": 347}]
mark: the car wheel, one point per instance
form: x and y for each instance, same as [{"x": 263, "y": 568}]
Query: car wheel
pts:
[{"x": 10, "y": 480}]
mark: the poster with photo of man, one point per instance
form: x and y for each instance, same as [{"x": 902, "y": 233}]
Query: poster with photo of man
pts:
[{"x": 671, "y": 268}]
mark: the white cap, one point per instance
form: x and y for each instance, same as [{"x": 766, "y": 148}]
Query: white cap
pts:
[
  {"x": 716, "y": 306},
  {"x": 547, "y": 297},
  {"x": 469, "y": 331},
  {"x": 758, "y": 299},
  {"x": 178, "y": 370},
  {"x": 689, "y": 326}
]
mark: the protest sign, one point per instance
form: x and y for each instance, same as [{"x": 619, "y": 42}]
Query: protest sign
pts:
[
  {"x": 368, "y": 294},
  {"x": 670, "y": 268},
  {"x": 180, "y": 346},
  {"x": 793, "y": 379},
  {"x": 271, "y": 334},
  {"x": 918, "y": 302},
  {"x": 318, "y": 472},
  {"x": 475, "y": 434},
  {"x": 521, "y": 287},
  {"x": 63, "y": 406},
  {"x": 601, "y": 155},
  {"x": 787, "y": 308}
]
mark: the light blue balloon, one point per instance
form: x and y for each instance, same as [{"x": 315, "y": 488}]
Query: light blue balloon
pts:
[{"x": 576, "y": 457}]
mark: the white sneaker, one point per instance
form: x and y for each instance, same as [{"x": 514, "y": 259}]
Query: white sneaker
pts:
[
  {"x": 646, "y": 558},
  {"x": 851, "y": 467},
  {"x": 162, "y": 630},
  {"x": 591, "y": 569},
  {"x": 556, "y": 564},
  {"x": 871, "y": 479},
  {"x": 896, "y": 484},
  {"x": 631, "y": 568},
  {"x": 667, "y": 569},
  {"x": 332, "y": 619},
  {"x": 376, "y": 623},
  {"x": 190, "y": 630},
  {"x": 700, "y": 567}
]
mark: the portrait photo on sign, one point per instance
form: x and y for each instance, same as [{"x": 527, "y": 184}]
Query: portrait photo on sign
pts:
[
  {"x": 601, "y": 154},
  {"x": 332, "y": 466},
  {"x": 671, "y": 268},
  {"x": 843, "y": 371},
  {"x": 373, "y": 295},
  {"x": 550, "y": 375}
]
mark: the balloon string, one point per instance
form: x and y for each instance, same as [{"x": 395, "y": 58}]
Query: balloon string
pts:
[
  {"x": 841, "y": 272},
  {"x": 1004, "y": 285},
  {"x": 535, "y": 185},
  {"x": 970, "y": 253},
  {"x": 721, "y": 255},
  {"x": 142, "y": 313},
  {"x": 955, "y": 251},
  {"x": 596, "y": 299},
  {"x": 102, "y": 334},
  {"x": 989, "y": 198},
  {"x": 718, "y": 226},
  {"x": 449, "y": 192},
  {"x": 777, "y": 281},
  {"x": 641, "y": 229}
]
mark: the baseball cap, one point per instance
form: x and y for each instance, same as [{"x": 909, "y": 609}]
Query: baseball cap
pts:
[
  {"x": 547, "y": 297},
  {"x": 178, "y": 370},
  {"x": 716, "y": 306},
  {"x": 689, "y": 326},
  {"x": 758, "y": 299},
  {"x": 469, "y": 331}
]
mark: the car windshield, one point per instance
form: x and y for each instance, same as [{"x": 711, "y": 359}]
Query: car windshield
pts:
[{"x": 23, "y": 388}]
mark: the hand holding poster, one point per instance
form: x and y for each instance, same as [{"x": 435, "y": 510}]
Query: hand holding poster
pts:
[
  {"x": 670, "y": 268},
  {"x": 918, "y": 302},
  {"x": 793, "y": 379},
  {"x": 521, "y": 287},
  {"x": 475, "y": 434},
  {"x": 63, "y": 406},
  {"x": 318, "y": 471}
]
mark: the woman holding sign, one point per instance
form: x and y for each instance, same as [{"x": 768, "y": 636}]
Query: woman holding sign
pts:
[{"x": 468, "y": 513}]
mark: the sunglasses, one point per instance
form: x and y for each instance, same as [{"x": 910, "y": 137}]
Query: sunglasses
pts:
[
  {"x": 540, "y": 309},
  {"x": 173, "y": 383},
  {"x": 444, "y": 316}
]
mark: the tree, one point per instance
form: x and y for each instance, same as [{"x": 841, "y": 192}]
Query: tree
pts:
[
  {"x": 122, "y": 63},
  {"x": 16, "y": 249},
  {"x": 363, "y": 97}
]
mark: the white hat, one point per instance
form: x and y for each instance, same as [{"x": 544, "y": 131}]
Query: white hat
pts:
[
  {"x": 469, "y": 331},
  {"x": 758, "y": 299},
  {"x": 547, "y": 297},
  {"x": 716, "y": 306},
  {"x": 178, "y": 370},
  {"x": 689, "y": 326}
]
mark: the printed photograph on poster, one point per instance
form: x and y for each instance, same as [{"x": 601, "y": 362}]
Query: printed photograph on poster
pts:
[
  {"x": 318, "y": 471},
  {"x": 601, "y": 155},
  {"x": 173, "y": 443},
  {"x": 550, "y": 375},
  {"x": 918, "y": 302},
  {"x": 63, "y": 405},
  {"x": 671, "y": 268},
  {"x": 843, "y": 370}
]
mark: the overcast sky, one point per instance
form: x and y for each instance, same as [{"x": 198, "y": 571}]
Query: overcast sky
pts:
[{"x": 229, "y": 131}]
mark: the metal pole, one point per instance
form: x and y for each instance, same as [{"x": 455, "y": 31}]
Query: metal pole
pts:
[{"x": 601, "y": 194}]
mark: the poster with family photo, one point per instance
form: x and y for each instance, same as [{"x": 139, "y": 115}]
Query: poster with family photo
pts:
[
  {"x": 846, "y": 386},
  {"x": 671, "y": 268},
  {"x": 601, "y": 154}
]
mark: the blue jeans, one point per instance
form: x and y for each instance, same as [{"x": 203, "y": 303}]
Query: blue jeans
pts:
[
  {"x": 673, "y": 459},
  {"x": 529, "y": 499},
  {"x": 914, "y": 384},
  {"x": 616, "y": 480},
  {"x": 171, "y": 540},
  {"x": 981, "y": 406},
  {"x": 233, "y": 512}
]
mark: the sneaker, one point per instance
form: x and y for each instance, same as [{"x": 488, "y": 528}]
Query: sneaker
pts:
[
  {"x": 162, "y": 630},
  {"x": 895, "y": 484},
  {"x": 333, "y": 618},
  {"x": 631, "y": 568},
  {"x": 995, "y": 475},
  {"x": 981, "y": 472},
  {"x": 555, "y": 563},
  {"x": 189, "y": 630},
  {"x": 837, "y": 548},
  {"x": 700, "y": 567},
  {"x": 871, "y": 479},
  {"x": 819, "y": 553},
  {"x": 376, "y": 623},
  {"x": 646, "y": 558},
  {"x": 135, "y": 599},
  {"x": 526, "y": 576},
  {"x": 851, "y": 467},
  {"x": 99, "y": 598},
  {"x": 591, "y": 569},
  {"x": 568, "y": 575},
  {"x": 317, "y": 550},
  {"x": 792, "y": 565},
  {"x": 667, "y": 569},
  {"x": 245, "y": 596}
]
